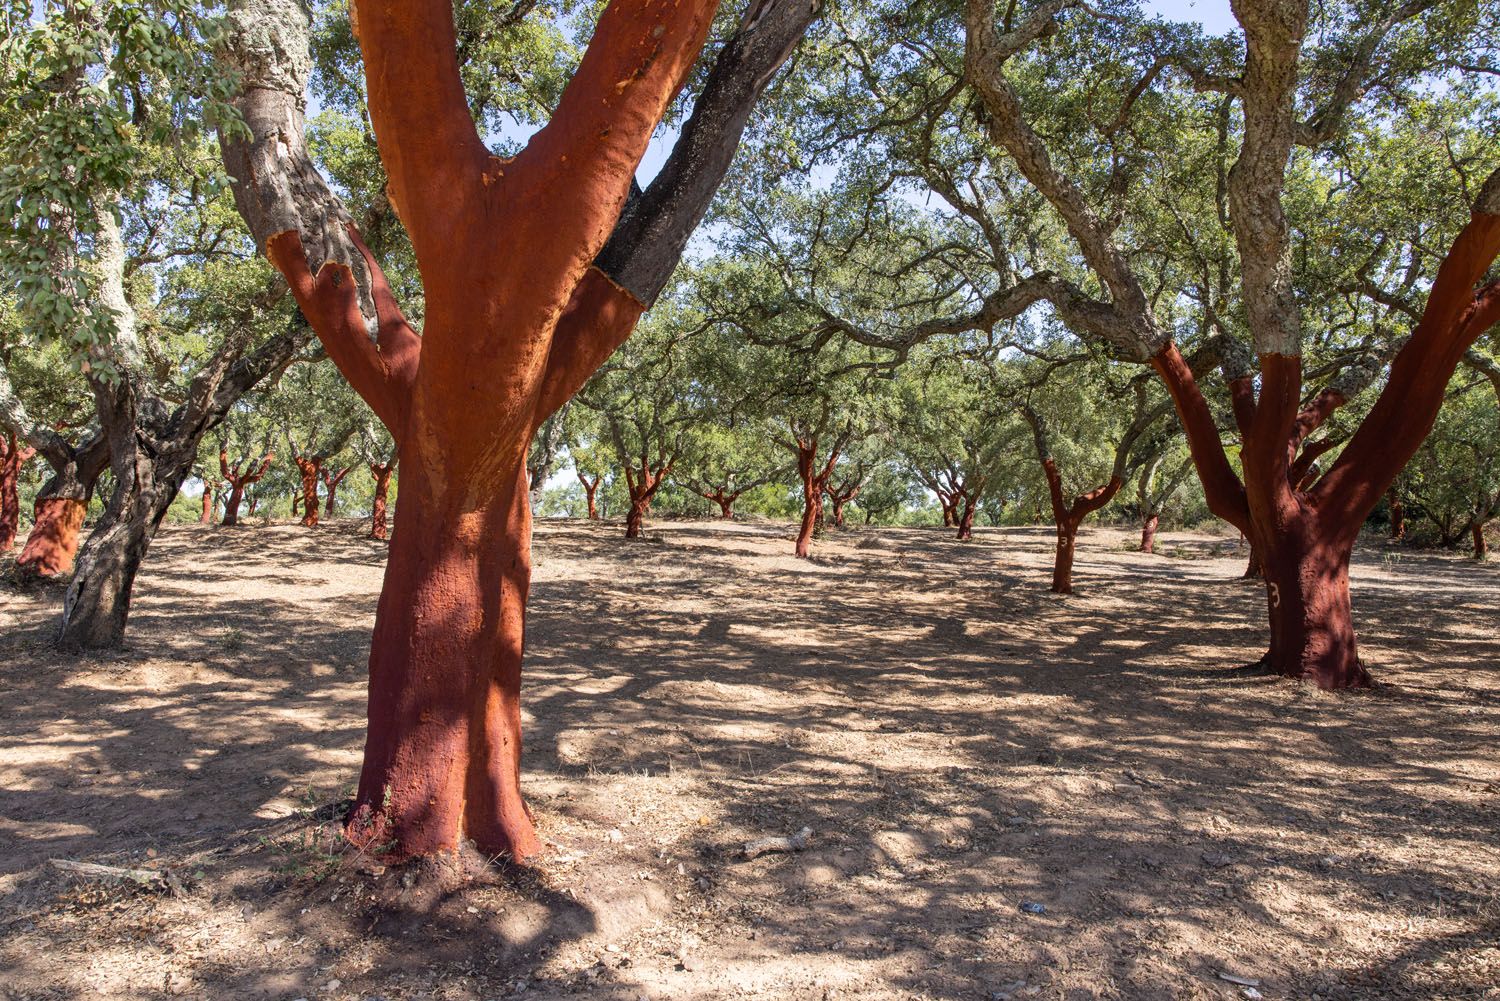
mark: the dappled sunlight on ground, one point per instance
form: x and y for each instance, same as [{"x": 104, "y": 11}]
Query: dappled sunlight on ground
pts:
[{"x": 960, "y": 740}]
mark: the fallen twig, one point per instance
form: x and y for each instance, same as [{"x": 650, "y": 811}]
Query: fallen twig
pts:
[
  {"x": 762, "y": 846},
  {"x": 163, "y": 879}
]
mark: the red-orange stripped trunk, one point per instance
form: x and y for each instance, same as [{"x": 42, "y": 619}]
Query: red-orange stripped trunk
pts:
[
  {"x": 239, "y": 476},
  {"x": 331, "y": 486},
  {"x": 53, "y": 542},
  {"x": 1148, "y": 533},
  {"x": 1068, "y": 517},
  {"x": 309, "y": 469},
  {"x": 814, "y": 483},
  {"x": 724, "y": 499},
  {"x": 642, "y": 485},
  {"x": 1304, "y": 532},
  {"x": 207, "y": 515},
  {"x": 1398, "y": 514},
  {"x": 382, "y": 474},
  {"x": 508, "y": 337},
  {"x": 58, "y": 512},
  {"x": 590, "y": 488},
  {"x": 966, "y": 520},
  {"x": 13, "y": 456}
]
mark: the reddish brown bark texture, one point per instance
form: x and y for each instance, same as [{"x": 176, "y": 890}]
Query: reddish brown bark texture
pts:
[
  {"x": 1398, "y": 514},
  {"x": 1148, "y": 533},
  {"x": 1068, "y": 517},
  {"x": 1304, "y": 531},
  {"x": 310, "y": 469},
  {"x": 966, "y": 520},
  {"x": 724, "y": 499},
  {"x": 13, "y": 456},
  {"x": 331, "y": 488},
  {"x": 642, "y": 485},
  {"x": 53, "y": 542},
  {"x": 814, "y": 483},
  {"x": 382, "y": 474},
  {"x": 1481, "y": 547},
  {"x": 239, "y": 476},
  {"x": 508, "y": 337},
  {"x": 208, "y": 504},
  {"x": 842, "y": 493},
  {"x": 590, "y": 489}
]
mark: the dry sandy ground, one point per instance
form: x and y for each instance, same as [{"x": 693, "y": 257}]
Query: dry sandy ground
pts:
[{"x": 960, "y": 741}]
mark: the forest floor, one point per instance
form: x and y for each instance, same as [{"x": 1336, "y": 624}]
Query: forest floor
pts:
[{"x": 960, "y": 741}]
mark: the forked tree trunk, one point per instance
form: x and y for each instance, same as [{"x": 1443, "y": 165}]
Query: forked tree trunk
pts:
[
  {"x": 331, "y": 483},
  {"x": 724, "y": 499},
  {"x": 232, "y": 503},
  {"x": 378, "y": 517},
  {"x": 1067, "y": 517},
  {"x": 309, "y": 469},
  {"x": 1148, "y": 533},
  {"x": 589, "y": 491},
  {"x": 812, "y": 497},
  {"x": 949, "y": 504},
  {"x": 508, "y": 338},
  {"x": 239, "y": 479},
  {"x": 1304, "y": 532},
  {"x": 443, "y": 751},
  {"x": 642, "y": 485}
]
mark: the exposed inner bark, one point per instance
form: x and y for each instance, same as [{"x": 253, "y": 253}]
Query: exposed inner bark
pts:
[
  {"x": 508, "y": 339},
  {"x": 13, "y": 455},
  {"x": 1068, "y": 517},
  {"x": 331, "y": 483},
  {"x": 590, "y": 489},
  {"x": 382, "y": 474},
  {"x": 241, "y": 475},
  {"x": 1148, "y": 533},
  {"x": 310, "y": 469},
  {"x": 53, "y": 542},
  {"x": 443, "y": 751},
  {"x": 814, "y": 485},
  {"x": 642, "y": 485},
  {"x": 1398, "y": 514}
]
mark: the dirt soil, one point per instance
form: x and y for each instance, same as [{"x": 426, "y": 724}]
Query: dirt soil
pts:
[{"x": 1011, "y": 795}]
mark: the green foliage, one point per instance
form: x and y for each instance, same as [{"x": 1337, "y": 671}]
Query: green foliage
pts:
[{"x": 90, "y": 94}]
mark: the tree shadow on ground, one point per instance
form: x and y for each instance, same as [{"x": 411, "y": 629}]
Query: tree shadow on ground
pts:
[{"x": 960, "y": 740}]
